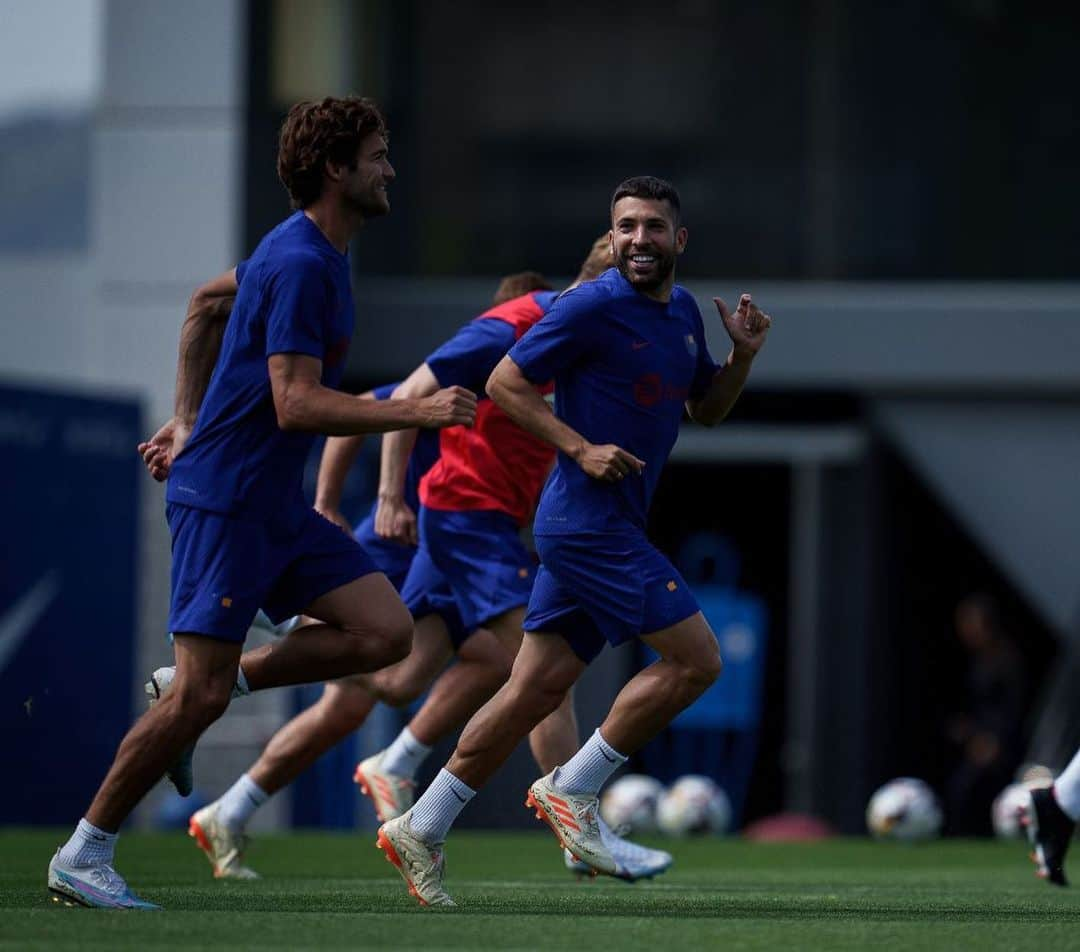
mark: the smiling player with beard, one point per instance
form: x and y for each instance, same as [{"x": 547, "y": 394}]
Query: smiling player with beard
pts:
[{"x": 627, "y": 353}]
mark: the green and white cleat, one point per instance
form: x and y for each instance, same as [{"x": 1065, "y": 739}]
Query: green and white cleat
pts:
[
  {"x": 422, "y": 865},
  {"x": 100, "y": 887},
  {"x": 223, "y": 847},
  {"x": 182, "y": 773},
  {"x": 573, "y": 819}
]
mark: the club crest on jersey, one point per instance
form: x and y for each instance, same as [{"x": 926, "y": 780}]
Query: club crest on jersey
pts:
[{"x": 691, "y": 345}]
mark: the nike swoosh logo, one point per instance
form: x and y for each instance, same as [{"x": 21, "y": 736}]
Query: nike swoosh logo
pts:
[
  {"x": 610, "y": 760},
  {"x": 19, "y": 620},
  {"x": 458, "y": 795}
]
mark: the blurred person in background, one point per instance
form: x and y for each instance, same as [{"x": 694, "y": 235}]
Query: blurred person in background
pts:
[
  {"x": 986, "y": 733},
  {"x": 242, "y": 534}
]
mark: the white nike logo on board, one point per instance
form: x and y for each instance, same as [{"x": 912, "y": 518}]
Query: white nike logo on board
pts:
[{"x": 19, "y": 619}]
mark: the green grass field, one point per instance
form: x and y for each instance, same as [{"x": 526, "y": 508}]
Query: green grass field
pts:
[{"x": 336, "y": 891}]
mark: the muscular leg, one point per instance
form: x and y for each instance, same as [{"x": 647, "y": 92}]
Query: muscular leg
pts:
[
  {"x": 544, "y": 670},
  {"x": 343, "y": 707},
  {"x": 364, "y": 627},
  {"x": 483, "y": 665},
  {"x": 689, "y": 663},
  {"x": 555, "y": 739},
  {"x": 205, "y": 675}
]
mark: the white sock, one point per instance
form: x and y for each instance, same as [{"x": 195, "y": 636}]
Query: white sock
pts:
[
  {"x": 239, "y": 803},
  {"x": 434, "y": 813},
  {"x": 405, "y": 755},
  {"x": 241, "y": 687},
  {"x": 1067, "y": 788},
  {"x": 88, "y": 846},
  {"x": 587, "y": 770}
]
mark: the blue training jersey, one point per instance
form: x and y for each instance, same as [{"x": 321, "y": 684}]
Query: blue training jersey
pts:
[
  {"x": 624, "y": 366},
  {"x": 294, "y": 297}
]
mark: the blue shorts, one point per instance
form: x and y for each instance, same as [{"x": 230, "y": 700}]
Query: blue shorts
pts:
[
  {"x": 225, "y": 569},
  {"x": 479, "y": 556},
  {"x": 392, "y": 558},
  {"x": 596, "y": 587},
  {"x": 425, "y": 592}
]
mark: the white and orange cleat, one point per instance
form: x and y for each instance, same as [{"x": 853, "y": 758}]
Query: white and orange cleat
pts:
[
  {"x": 573, "y": 819},
  {"x": 422, "y": 865},
  {"x": 222, "y": 846},
  {"x": 391, "y": 794}
]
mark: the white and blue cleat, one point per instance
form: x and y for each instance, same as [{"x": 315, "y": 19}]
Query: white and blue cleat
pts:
[
  {"x": 633, "y": 861},
  {"x": 99, "y": 887}
]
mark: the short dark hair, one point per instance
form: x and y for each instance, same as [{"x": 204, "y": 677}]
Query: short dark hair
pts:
[
  {"x": 315, "y": 133},
  {"x": 521, "y": 283},
  {"x": 649, "y": 186}
]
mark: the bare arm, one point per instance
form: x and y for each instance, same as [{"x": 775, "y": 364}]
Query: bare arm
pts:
[
  {"x": 747, "y": 327},
  {"x": 522, "y": 402},
  {"x": 200, "y": 343},
  {"x": 303, "y": 404},
  {"x": 338, "y": 456},
  {"x": 394, "y": 519}
]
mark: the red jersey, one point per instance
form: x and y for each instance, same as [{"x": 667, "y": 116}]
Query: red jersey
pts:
[{"x": 494, "y": 464}]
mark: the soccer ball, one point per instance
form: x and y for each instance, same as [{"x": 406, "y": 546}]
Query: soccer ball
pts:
[
  {"x": 630, "y": 803},
  {"x": 904, "y": 809},
  {"x": 1007, "y": 809},
  {"x": 1013, "y": 801},
  {"x": 694, "y": 804}
]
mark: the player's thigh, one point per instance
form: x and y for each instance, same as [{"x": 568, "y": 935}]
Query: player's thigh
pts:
[
  {"x": 691, "y": 642},
  {"x": 205, "y": 664},
  {"x": 506, "y": 628},
  {"x": 366, "y": 604},
  {"x": 486, "y": 648},
  {"x": 546, "y": 661}
]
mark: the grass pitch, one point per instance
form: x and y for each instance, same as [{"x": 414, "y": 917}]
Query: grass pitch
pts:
[{"x": 337, "y": 891}]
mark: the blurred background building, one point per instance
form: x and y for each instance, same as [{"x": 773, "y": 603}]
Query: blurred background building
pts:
[{"x": 895, "y": 183}]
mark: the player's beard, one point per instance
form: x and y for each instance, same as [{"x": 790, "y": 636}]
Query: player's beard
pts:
[
  {"x": 370, "y": 203},
  {"x": 665, "y": 263}
]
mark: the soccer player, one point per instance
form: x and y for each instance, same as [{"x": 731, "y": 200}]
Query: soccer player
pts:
[
  {"x": 627, "y": 353},
  {"x": 242, "y": 535},
  {"x": 1050, "y": 821}
]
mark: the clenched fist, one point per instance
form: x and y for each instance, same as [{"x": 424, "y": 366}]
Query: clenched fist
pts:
[{"x": 452, "y": 406}]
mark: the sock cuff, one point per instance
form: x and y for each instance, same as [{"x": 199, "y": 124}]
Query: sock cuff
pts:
[
  {"x": 607, "y": 748},
  {"x": 252, "y": 789},
  {"x": 413, "y": 741},
  {"x": 461, "y": 788},
  {"x": 88, "y": 829},
  {"x": 241, "y": 682}
]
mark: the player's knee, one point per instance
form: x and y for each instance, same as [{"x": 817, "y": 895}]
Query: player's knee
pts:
[
  {"x": 700, "y": 675},
  {"x": 345, "y": 708},
  {"x": 384, "y": 642},
  {"x": 401, "y": 688},
  {"x": 202, "y": 704}
]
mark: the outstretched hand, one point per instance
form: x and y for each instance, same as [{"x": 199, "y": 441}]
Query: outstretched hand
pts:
[
  {"x": 747, "y": 326},
  {"x": 163, "y": 447}
]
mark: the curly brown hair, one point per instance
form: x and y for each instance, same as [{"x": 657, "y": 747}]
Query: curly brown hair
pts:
[
  {"x": 315, "y": 133},
  {"x": 515, "y": 285}
]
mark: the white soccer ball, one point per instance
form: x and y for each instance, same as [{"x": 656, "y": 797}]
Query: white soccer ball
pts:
[
  {"x": 630, "y": 803},
  {"x": 904, "y": 809},
  {"x": 1007, "y": 809},
  {"x": 694, "y": 804},
  {"x": 1014, "y": 800}
]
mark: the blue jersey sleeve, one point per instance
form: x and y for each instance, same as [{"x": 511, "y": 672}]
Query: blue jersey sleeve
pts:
[
  {"x": 705, "y": 368},
  {"x": 569, "y": 331},
  {"x": 467, "y": 359},
  {"x": 240, "y": 269},
  {"x": 383, "y": 392},
  {"x": 301, "y": 301}
]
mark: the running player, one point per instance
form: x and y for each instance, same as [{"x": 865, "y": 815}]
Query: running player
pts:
[
  {"x": 1050, "y": 820},
  {"x": 627, "y": 352},
  {"x": 242, "y": 534}
]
